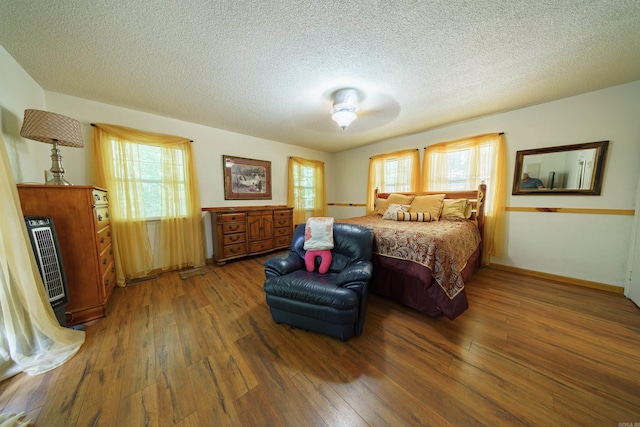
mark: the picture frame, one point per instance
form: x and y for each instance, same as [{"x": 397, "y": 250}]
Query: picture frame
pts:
[{"x": 246, "y": 179}]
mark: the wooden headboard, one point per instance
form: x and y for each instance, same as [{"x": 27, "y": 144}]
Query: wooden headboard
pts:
[{"x": 476, "y": 197}]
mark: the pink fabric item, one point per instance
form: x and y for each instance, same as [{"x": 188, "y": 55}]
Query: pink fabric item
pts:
[{"x": 325, "y": 260}]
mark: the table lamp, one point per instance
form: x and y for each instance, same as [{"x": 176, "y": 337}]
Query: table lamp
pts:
[{"x": 55, "y": 129}]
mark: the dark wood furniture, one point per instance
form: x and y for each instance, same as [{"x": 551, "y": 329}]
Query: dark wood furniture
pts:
[
  {"x": 238, "y": 232},
  {"x": 81, "y": 217}
]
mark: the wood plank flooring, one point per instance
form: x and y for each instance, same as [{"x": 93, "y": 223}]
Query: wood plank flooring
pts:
[{"x": 205, "y": 352}]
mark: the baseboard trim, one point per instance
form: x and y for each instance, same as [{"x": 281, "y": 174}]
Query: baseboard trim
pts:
[{"x": 561, "y": 279}]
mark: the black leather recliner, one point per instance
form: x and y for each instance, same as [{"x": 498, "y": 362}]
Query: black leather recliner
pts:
[{"x": 333, "y": 303}]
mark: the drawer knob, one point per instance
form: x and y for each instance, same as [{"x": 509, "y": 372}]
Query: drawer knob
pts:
[
  {"x": 104, "y": 261},
  {"x": 99, "y": 217},
  {"x": 101, "y": 239}
]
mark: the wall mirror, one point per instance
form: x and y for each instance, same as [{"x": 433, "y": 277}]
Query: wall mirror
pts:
[{"x": 567, "y": 169}]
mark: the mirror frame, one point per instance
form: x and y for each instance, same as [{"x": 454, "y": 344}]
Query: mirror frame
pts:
[{"x": 596, "y": 182}]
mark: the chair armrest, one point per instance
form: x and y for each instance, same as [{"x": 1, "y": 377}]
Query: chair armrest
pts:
[
  {"x": 280, "y": 265},
  {"x": 357, "y": 273}
]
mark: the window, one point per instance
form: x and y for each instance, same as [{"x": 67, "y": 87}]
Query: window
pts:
[
  {"x": 463, "y": 165},
  {"x": 306, "y": 192},
  {"x": 149, "y": 175},
  {"x": 393, "y": 172},
  {"x": 148, "y": 167},
  {"x": 303, "y": 187}
]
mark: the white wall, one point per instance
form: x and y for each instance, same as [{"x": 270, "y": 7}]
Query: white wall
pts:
[
  {"x": 583, "y": 246},
  {"x": 18, "y": 92}
]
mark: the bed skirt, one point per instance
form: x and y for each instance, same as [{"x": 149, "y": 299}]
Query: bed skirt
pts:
[{"x": 411, "y": 284}]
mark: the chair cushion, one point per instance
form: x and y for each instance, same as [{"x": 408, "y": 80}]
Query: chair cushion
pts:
[{"x": 312, "y": 288}]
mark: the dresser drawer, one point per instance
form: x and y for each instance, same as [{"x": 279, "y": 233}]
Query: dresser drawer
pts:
[
  {"x": 109, "y": 278},
  {"x": 233, "y": 217},
  {"x": 282, "y": 222},
  {"x": 100, "y": 197},
  {"x": 235, "y": 250},
  {"x": 262, "y": 245},
  {"x": 282, "y": 231},
  {"x": 230, "y": 239},
  {"x": 233, "y": 227},
  {"x": 281, "y": 214},
  {"x": 104, "y": 238},
  {"x": 102, "y": 217},
  {"x": 106, "y": 258}
]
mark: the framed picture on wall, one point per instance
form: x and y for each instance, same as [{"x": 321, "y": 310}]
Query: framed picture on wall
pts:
[{"x": 246, "y": 179}]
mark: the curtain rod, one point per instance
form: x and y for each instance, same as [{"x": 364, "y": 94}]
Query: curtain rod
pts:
[{"x": 93, "y": 124}]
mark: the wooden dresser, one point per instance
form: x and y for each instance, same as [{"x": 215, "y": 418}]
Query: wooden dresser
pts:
[
  {"x": 249, "y": 230},
  {"x": 81, "y": 217}
]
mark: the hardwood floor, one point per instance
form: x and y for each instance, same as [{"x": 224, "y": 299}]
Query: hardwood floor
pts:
[{"x": 205, "y": 352}]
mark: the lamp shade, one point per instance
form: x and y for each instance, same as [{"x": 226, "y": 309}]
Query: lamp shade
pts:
[
  {"x": 48, "y": 127},
  {"x": 345, "y": 106},
  {"x": 344, "y": 117}
]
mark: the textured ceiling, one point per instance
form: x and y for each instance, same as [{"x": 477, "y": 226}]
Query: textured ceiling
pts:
[{"x": 268, "y": 68}]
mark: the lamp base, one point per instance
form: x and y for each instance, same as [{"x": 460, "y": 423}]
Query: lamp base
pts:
[
  {"x": 56, "y": 167},
  {"x": 57, "y": 181}
]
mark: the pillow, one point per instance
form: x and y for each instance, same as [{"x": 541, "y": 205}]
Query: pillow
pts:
[
  {"x": 415, "y": 216},
  {"x": 318, "y": 234},
  {"x": 468, "y": 210},
  {"x": 459, "y": 208},
  {"x": 380, "y": 205},
  {"x": 393, "y": 209},
  {"x": 428, "y": 204},
  {"x": 399, "y": 199}
]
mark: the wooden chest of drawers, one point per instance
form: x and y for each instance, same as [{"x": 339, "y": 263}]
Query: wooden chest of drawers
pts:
[
  {"x": 81, "y": 217},
  {"x": 243, "y": 231}
]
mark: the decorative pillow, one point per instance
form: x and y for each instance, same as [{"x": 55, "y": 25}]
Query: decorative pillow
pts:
[
  {"x": 393, "y": 209},
  {"x": 468, "y": 210},
  {"x": 428, "y": 204},
  {"x": 380, "y": 205},
  {"x": 318, "y": 233},
  {"x": 394, "y": 198},
  {"x": 459, "y": 208},
  {"x": 415, "y": 216}
]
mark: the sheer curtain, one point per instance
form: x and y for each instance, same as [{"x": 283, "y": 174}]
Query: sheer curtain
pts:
[
  {"x": 32, "y": 339},
  {"x": 117, "y": 167},
  {"x": 398, "y": 171},
  {"x": 462, "y": 165},
  {"x": 306, "y": 189}
]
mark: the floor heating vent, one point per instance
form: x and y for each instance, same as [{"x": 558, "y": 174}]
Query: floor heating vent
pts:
[{"x": 46, "y": 249}]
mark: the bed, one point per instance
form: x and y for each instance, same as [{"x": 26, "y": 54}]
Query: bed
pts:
[{"x": 424, "y": 265}]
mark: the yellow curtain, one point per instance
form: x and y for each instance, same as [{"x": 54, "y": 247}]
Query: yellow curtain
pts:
[
  {"x": 467, "y": 162},
  {"x": 116, "y": 168},
  {"x": 398, "y": 171},
  {"x": 306, "y": 190},
  {"x": 31, "y": 339}
]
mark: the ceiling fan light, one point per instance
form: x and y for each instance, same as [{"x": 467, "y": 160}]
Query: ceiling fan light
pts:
[
  {"x": 345, "y": 105},
  {"x": 344, "y": 117}
]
